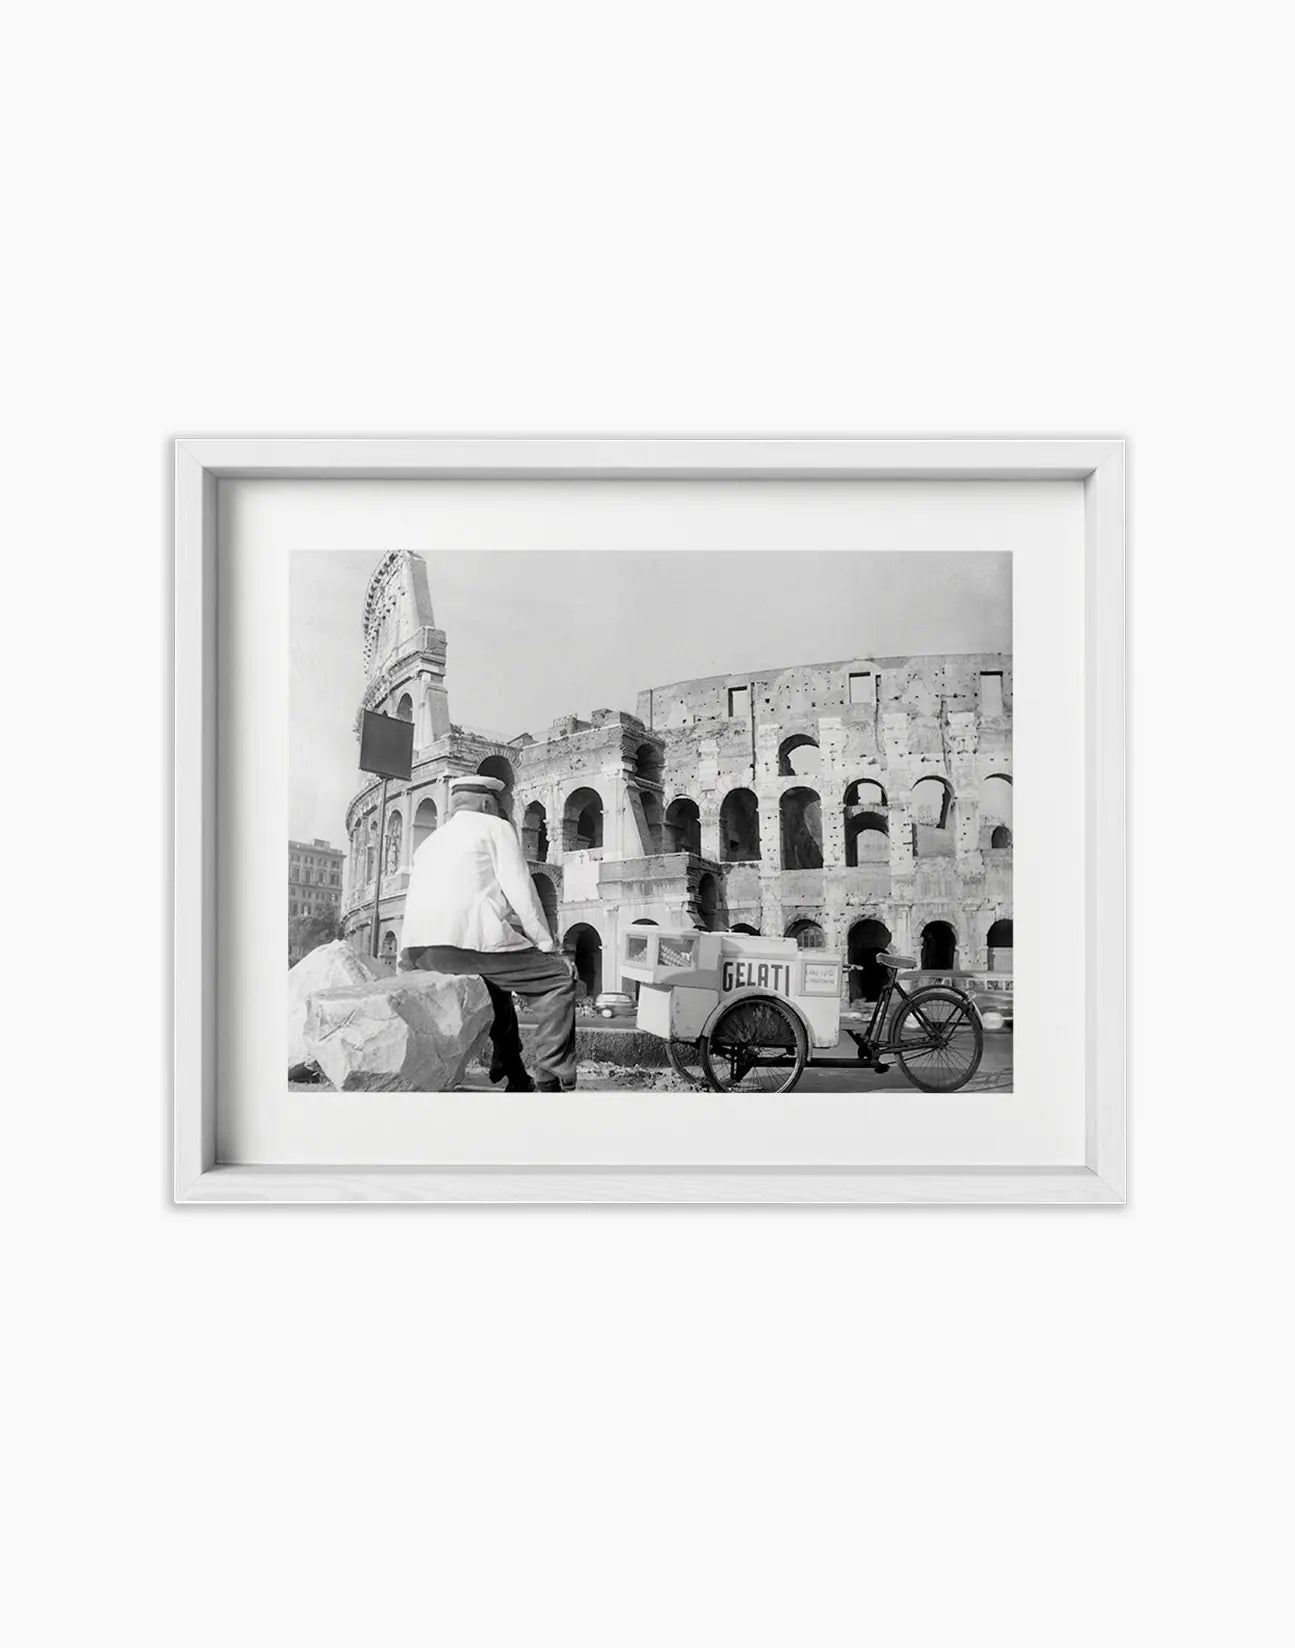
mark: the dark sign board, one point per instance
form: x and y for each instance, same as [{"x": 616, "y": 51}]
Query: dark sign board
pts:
[{"x": 386, "y": 745}]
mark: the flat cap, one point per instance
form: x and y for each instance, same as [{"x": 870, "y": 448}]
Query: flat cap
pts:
[{"x": 476, "y": 783}]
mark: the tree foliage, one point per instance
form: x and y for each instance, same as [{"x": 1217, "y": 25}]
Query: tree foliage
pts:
[{"x": 307, "y": 933}]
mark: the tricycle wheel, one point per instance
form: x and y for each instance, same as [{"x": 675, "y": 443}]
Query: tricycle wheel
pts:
[
  {"x": 685, "y": 1061},
  {"x": 757, "y": 1045},
  {"x": 938, "y": 1038}
]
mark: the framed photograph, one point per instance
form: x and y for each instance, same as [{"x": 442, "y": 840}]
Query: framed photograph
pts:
[{"x": 665, "y": 820}]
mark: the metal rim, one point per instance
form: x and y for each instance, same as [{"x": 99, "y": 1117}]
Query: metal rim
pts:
[
  {"x": 747, "y": 1049},
  {"x": 948, "y": 1040},
  {"x": 685, "y": 1061}
]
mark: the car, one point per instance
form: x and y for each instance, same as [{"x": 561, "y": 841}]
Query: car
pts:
[
  {"x": 991, "y": 993},
  {"x": 992, "y": 997},
  {"x": 614, "y": 1004}
]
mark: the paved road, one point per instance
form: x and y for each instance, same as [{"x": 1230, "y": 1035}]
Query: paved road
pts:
[{"x": 994, "y": 1075}]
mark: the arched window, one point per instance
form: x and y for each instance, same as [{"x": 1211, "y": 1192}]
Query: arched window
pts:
[
  {"x": 865, "y": 816},
  {"x": 395, "y": 830},
  {"x": 371, "y": 848},
  {"x": 585, "y": 948},
  {"x": 405, "y": 708},
  {"x": 866, "y": 939},
  {"x": 739, "y": 827},
  {"x": 802, "y": 830},
  {"x": 683, "y": 827},
  {"x": 996, "y": 799},
  {"x": 535, "y": 833},
  {"x": 930, "y": 801},
  {"x": 582, "y": 821},
  {"x": 495, "y": 766},
  {"x": 866, "y": 793},
  {"x": 424, "y": 821},
  {"x": 707, "y": 902},
  {"x": 742, "y": 927},
  {"x": 1000, "y": 836},
  {"x": 808, "y": 935},
  {"x": 933, "y": 817},
  {"x": 939, "y": 947},
  {"x": 998, "y": 942},
  {"x": 389, "y": 945},
  {"x": 799, "y": 756}
]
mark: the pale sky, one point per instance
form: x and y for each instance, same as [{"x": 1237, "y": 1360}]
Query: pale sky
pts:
[{"x": 531, "y": 637}]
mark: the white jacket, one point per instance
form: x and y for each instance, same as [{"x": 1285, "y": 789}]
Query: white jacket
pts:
[{"x": 466, "y": 878}]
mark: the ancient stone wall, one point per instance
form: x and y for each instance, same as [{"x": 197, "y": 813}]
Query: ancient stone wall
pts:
[{"x": 837, "y": 799}]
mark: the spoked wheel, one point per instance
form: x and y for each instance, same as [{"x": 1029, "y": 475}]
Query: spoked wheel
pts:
[
  {"x": 938, "y": 1040},
  {"x": 757, "y": 1046},
  {"x": 685, "y": 1061}
]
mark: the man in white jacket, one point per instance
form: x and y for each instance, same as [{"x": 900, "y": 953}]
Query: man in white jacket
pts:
[{"x": 469, "y": 893}]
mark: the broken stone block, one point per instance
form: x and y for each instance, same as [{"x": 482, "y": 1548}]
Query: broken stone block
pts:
[
  {"x": 330, "y": 967},
  {"x": 413, "y": 1033}
]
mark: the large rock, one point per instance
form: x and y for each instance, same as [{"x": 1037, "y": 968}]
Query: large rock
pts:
[
  {"x": 415, "y": 1032},
  {"x": 330, "y": 967}
]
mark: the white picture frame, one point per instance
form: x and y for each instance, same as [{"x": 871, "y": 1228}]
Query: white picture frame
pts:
[{"x": 202, "y": 464}]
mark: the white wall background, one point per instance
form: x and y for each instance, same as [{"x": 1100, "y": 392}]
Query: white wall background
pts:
[{"x": 644, "y": 1427}]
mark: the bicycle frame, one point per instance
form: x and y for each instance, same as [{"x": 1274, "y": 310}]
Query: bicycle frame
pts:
[{"x": 870, "y": 1051}]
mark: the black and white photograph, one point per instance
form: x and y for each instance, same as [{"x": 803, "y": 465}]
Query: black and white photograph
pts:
[{"x": 660, "y": 821}]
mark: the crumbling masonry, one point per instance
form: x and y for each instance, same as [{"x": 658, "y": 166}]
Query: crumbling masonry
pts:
[{"x": 851, "y": 805}]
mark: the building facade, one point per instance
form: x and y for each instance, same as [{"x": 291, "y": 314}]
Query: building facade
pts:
[
  {"x": 315, "y": 870},
  {"x": 851, "y": 805}
]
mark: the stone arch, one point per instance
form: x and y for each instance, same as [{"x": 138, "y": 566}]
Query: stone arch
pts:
[
  {"x": 934, "y": 808},
  {"x": 867, "y": 839},
  {"x": 939, "y": 947},
  {"x": 801, "y": 816},
  {"x": 1000, "y": 836},
  {"x": 425, "y": 821},
  {"x": 387, "y": 948},
  {"x": 405, "y": 708},
  {"x": 865, "y": 940},
  {"x": 683, "y": 826},
  {"x": 644, "y": 921},
  {"x": 395, "y": 836},
  {"x": 995, "y": 797},
  {"x": 744, "y": 927},
  {"x": 582, "y": 821},
  {"x": 739, "y": 827},
  {"x": 584, "y": 945},
  {"x": 808, "y": 935},
  {"x": 535, "y": 833},
  {"x": 498, "y": 766},
  {"x": 998, "y": 944},
  {"x": 799, "y": 756},
  {"x": 547, "y": 894},
  {"x": 865, "y": 816}
]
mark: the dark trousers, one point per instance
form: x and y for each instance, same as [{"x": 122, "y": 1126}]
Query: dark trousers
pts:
[{"x": 547, "y": 981}]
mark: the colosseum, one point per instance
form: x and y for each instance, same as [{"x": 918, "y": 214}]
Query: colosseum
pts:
[{"x": 850, "y": 805}]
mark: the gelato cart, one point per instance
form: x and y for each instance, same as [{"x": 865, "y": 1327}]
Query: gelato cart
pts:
[{"x": 743, "y": 1013}]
